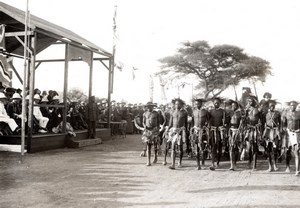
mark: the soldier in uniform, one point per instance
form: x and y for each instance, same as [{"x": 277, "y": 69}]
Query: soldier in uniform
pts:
[
  {"x": 252, "y": 130},
  {"x": 151, "y": 124},
  {"x": 235, "y": 129},
  {"x": 217, "y": 125},
  {"x": 291, "y": 123},
  {"x": 272, "y": 134},
  {"x": 177, "y": 132},
  {"x": 199, "y": 130}
]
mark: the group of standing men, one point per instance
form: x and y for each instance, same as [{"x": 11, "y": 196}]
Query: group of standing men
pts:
[{"x": 207, "y": 132}]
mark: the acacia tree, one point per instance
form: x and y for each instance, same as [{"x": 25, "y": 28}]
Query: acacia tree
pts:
[{"x": 216, "y": 67}]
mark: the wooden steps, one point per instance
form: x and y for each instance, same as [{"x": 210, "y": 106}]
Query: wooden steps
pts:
[
  {"x": 75, "y": 143},
  {"x": 48, "y": 141}
]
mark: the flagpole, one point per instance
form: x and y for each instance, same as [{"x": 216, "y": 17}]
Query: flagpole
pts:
[
  {"x": 114, "y": 48},
  {"x": 24, "y": 82}
]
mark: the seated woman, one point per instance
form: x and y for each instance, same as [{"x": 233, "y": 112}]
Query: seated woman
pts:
[
  {"x": 5, "y": 118},
  {"x": 43, "y": 121}
]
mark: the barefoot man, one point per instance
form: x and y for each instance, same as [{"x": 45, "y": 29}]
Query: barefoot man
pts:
[
  {"x": 272, "y": 134},
  {"x": 199, "y": 130},
  {"x": 291, "y": 122},
  {"x": 151, "y": 124},
  {"x": 177, "y": 131},
  {"x": 217, "y": 131}
]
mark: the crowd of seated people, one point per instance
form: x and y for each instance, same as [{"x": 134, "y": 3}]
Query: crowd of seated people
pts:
[{"x": 47, "y": 112}]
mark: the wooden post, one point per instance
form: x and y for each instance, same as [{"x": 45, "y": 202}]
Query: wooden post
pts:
[
  {"x": 24, "y": 107},
  {"x": 65, "y": 87},
  {"x": 109, "y": 91},
  {"x": 91, "y": 76},
  {"x": 31, "y": 88}
]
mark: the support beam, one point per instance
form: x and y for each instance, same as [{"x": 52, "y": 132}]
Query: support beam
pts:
[
  {"x": 28, "y": 49},
  {"x": 104, "y": 64},
  {"x": 31, "y": 89},
  {"x": 61, "y": 60},
  {"x": 16, "y": 72},
  {"x": 14, "y": 34},
  {"x": 65, "y": 87},
  {"x": 91, "y": 77},
  {"x": 109, "y": 93}
]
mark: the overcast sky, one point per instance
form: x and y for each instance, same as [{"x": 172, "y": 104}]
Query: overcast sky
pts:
[{"x": 149, "y": 30}]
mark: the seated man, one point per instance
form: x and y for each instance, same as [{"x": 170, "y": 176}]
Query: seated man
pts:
[
  {"x": 5, "y": 118},
  {"x": 14, "y": 108},
  {"x": 43, "y": 121},
  {"x": 76, "y": 118}
]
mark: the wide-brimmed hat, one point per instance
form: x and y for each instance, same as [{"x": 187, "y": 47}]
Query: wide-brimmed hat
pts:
[
  {"x": 10, "y": 90},
  {"x": 36, "y": 97},
  {"x": 293, "y": 101},
  {"x": 56, "y": 97},
  {"x": 44, "y": 100},
  {"x": 16, "y": 96},
  {"x": 2, "y": 96}
]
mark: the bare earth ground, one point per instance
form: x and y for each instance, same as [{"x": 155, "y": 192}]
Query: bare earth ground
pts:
[{"x": 113, "y": 175}]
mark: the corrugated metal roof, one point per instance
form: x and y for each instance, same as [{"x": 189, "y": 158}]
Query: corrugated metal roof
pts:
[{"x": 14, "y": 20}]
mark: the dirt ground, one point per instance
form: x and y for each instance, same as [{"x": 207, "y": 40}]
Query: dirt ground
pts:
[{"x": 113, "y": 175}]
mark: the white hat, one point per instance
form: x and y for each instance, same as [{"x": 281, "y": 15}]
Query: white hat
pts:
[
  {"x": 16, "y": 96},
  {"x": 36, "y": 97},
  {"x": 55, "y": 97},
  {"x": 27, "y": 97},
  {"x": 45, "y": 99},
  {"x": 2, "y": 95}
]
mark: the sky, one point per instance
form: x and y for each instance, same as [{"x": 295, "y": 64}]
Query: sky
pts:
[{"x": 149, "y": 30}]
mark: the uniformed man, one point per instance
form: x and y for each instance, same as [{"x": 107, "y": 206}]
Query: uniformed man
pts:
[
  {"x": 199, "y": 131},
  {"x": 291, "y": 123}
]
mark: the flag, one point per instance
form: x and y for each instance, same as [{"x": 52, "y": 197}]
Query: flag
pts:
[
  {"x": 133, "y": 72},
  {"x": 5, "y": 77},
  {"x": 2, "y": 38},
  {"x": 116, "y": 37},
  {"x": 119, "y": 65}
]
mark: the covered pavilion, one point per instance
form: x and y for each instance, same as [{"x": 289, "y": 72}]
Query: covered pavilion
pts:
[{"x": 25, "y": 40}]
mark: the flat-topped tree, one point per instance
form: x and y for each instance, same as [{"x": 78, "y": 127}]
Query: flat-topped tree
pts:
[{"x": 217, "y": 68}]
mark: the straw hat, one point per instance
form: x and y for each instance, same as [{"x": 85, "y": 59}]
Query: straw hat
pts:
[
  {"x": 2, "y": 96},
  {"x": 36, "y": 97},
  {"x": 56, "y": 97},
  {"x": 45, "y": 99},
  {"x": 16, "y": 96}
]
